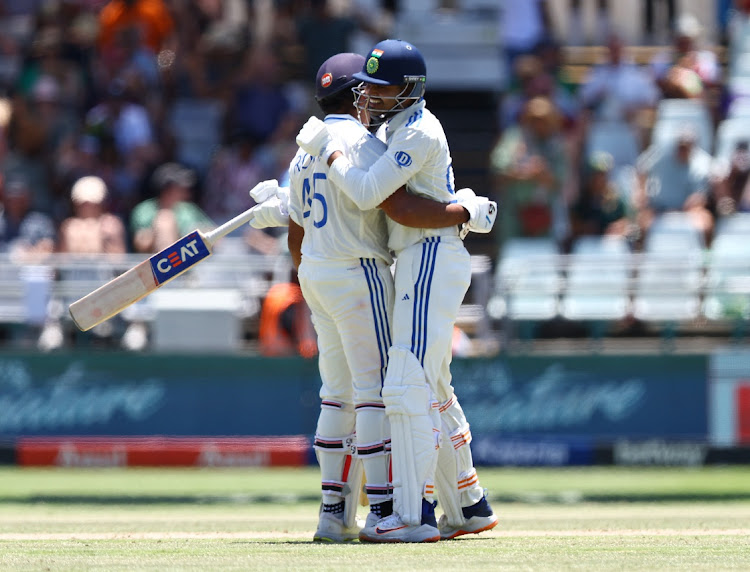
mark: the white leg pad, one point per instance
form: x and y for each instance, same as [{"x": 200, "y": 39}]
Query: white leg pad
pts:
[
  {"x": 351, "y": 498},
  {"x": 407, "y": 401},
  {"x": 335, "y": 449},
  {"x": 457, "y": 481},
  {"x": 371, "y": 449}
]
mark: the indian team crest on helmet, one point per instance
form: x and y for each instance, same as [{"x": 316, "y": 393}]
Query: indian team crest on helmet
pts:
[
  {"x": 373, "y": 63},
  {"x": 326, "y": 80}
]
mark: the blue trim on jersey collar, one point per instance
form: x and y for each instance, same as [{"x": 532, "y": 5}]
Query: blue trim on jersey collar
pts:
[{"x": 341, "y": 117}]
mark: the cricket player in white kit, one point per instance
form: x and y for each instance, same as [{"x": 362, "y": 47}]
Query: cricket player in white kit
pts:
[
  {"x": 344, "y": 264},
  {"x": 432, "y": 276}
]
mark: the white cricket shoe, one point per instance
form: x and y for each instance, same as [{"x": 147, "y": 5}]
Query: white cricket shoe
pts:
[
  {"x": 392, "y": 529},
  {"x": 371, "y": 520},
  {"x": 332, "y": 529}
]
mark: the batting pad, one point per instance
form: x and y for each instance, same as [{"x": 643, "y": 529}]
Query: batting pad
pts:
[
  {"x": 335, "y": 450},
  {"x": 456, "y": 479},
  {"x": 351, "y": 498},
  {"x": 371, "y": 433},
  {"x": 413, "y": 453}
]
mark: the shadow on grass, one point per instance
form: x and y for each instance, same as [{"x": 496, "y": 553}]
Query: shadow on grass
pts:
[{"x": 531, "y": 498}]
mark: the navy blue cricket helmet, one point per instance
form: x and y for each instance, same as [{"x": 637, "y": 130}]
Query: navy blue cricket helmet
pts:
[
  {"x": 391, "y": 62},
  {"x": 337, "y": 74}
]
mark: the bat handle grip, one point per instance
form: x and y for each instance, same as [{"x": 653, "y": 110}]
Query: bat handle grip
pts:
[{"x": 233, "y": 224}]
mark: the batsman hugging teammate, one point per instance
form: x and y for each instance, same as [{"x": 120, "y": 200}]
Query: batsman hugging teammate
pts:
[
  {"x": 344, "y": 270},
  {"x": 432, "y": 275}
]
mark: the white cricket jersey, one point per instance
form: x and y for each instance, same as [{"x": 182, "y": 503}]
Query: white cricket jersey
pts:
[
  {"x": 335, "y": 227},
  {"x": 418, "y": 156}
]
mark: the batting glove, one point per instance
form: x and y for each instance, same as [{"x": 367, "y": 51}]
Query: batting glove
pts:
[
  {"x": 482, "y": 212},
  {"x": 314, "y": 139},
  {"x": 272, "y": 212},
  {"x": 264, "y": 190}
]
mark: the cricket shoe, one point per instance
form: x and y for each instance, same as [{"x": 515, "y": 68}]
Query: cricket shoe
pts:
[
  {"x": 392, "y": 529},
  {"x": 477, "y": 518},
  {"x": 371, "y": 520},
  {"x": 332, "y": 529}
]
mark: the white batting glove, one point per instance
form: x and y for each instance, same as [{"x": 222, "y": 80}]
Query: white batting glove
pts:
[
  {"x": 264, "y": 190},
  {"x": 482, "y": 212},
  {"x": 272, "y": 212},
  {"x": 314, "y": 139}
]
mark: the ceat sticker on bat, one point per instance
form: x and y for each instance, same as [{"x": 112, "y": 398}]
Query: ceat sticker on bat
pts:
[{"x": 178, "y": 257}]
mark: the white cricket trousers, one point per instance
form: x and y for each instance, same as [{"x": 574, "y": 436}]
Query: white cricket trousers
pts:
[
  {"x": 351, "y": 303},
  {"x": 431, "y": 280}
]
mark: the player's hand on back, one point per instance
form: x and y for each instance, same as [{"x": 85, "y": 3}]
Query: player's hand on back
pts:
[
  {"x": 482, "y": 212},
  {"x": 314, "y": 139}
]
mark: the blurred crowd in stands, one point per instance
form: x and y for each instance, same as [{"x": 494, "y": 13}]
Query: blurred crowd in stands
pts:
[
  {"x": 125, "y": 124},
  {"x": 631, "y": 140}
]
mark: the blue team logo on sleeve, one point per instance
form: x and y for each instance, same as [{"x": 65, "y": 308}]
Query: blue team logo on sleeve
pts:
[
  {"x": 178, "y": 257},
  {"x": 403, "y": 159}
]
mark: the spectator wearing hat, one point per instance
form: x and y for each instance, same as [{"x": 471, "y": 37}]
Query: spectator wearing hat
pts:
[
  {"x": 91, "y": 229},
  {"x": 599, "y": 209},
  {"x": 157, "y": 222},
  {"x": 675, "y": 177}
]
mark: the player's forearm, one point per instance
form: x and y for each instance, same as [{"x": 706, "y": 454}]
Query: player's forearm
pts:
[
  {"x": 420, "y": 212},
  {"x": 367, "y": 189},
  {"x": 294, "y": 242}
]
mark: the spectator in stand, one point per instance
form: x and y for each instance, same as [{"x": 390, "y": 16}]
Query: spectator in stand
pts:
[
  {"x": 260, "y": 103},
  {"x": 675, "y": 177},
  {"x": 29, "y": 237},
  {"x": 687, "y": 71},
  {"x": 158, "y": 222},
  {"x": 532, "y": 79},
  {"x": 209, "y": 68},
  {"x": 151, "y": 16},
  {"x": 731, "y": 182},
  {"x": 39, "y": 128},
  {"x": 616, "y": 89},
  {"x": 599, "y": 209},
  {"x": 25, "y": 233},
  {"x": 91, "y": 229},
  {"x": 124, "y": 128},
  {"x": 531, "y": 166}
]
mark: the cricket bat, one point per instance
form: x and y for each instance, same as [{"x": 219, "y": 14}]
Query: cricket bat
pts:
[{"x": 141, "y": 280}]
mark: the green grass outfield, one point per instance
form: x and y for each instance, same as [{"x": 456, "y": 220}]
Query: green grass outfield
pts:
[{"x": 250, "y": 519}]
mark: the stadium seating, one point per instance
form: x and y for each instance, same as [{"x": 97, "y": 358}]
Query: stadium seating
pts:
[
  {"x": 527, "y": 283},
  {"x": 669, "y": 273},
  {"x": 672, "y": 115},
  {"x": 727, "y": 295},
  {"x": 729, "y": 133},
  {"x": 616, "y": 138},
  {"x": 598, "y": 281}
]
